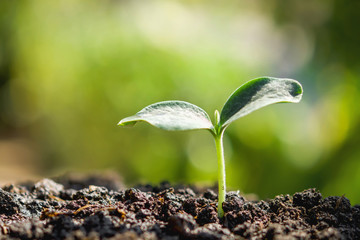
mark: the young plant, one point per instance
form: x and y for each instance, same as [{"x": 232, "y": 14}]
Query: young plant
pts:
[{"x": 179, "y": 115}]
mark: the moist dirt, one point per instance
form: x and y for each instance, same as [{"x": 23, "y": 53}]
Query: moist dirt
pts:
[{"x": 100, "y": 208}]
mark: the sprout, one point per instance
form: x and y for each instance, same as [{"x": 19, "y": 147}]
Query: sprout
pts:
[{"x": 180, "y": 115}]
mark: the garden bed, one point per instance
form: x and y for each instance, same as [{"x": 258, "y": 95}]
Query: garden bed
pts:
[{"x": 101, "y": 208}]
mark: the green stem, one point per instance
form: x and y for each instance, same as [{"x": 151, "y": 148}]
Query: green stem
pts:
[{"x": 221, "y": 172}]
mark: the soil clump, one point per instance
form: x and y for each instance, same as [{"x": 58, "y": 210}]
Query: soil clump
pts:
[{"x": 95, "y": 208}]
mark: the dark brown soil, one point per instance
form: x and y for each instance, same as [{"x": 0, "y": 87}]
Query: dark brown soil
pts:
[{"x": 96, "y": 208}]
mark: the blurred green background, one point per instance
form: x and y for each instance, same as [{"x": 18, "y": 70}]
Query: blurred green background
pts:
[{"x": 70, "y": 70}]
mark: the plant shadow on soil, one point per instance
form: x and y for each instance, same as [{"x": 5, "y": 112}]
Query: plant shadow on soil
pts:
[{"x": 97, "y": 207}]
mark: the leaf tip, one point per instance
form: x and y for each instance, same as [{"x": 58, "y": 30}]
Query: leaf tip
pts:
[
  {"x": 296, "y": 91},
  {"x": 125, "y": 123}
]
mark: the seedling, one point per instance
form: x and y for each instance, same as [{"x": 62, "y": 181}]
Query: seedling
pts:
[{"x": 180, "y": 115}]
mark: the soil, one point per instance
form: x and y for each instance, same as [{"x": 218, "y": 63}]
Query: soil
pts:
[{"x": 101, "y": 208}]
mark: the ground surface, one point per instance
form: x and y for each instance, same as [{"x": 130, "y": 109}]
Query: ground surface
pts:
[{"x": 95, "y": 208}]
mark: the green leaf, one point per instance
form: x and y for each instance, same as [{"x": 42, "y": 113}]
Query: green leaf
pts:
[
  {"x": 171, "y": 115},
  {"x": 259, "y": 93}
]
